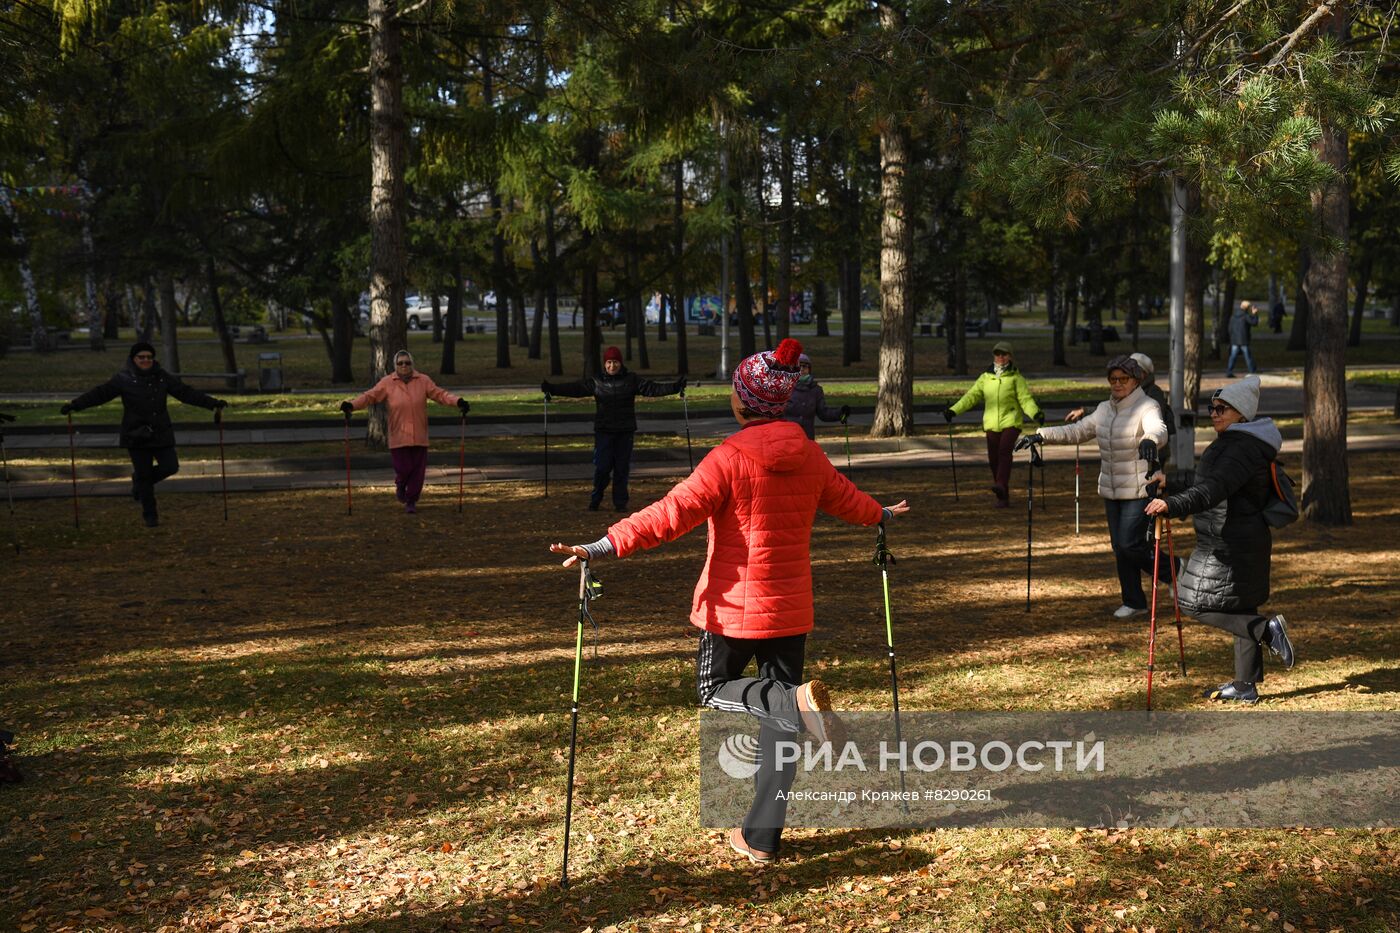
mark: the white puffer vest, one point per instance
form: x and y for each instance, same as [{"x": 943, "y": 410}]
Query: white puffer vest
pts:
[{"x": 1120, "y": 428}]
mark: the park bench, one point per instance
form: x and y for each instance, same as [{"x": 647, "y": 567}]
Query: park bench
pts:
[
  {"x": 234, "y": 380},
  {"x": 1110, "y": 333},
  {"x": 973, "y": 328}
]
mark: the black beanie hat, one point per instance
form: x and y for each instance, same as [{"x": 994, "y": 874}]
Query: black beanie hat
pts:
[{"x": 138, "y": 347}]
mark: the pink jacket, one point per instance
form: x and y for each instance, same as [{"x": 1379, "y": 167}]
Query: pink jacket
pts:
[
  {"x": 408, "y": 406},
  {"x": 760, "y": 491}
]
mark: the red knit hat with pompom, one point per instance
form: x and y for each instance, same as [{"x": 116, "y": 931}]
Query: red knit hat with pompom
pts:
[{"x": 764, "y": 381}]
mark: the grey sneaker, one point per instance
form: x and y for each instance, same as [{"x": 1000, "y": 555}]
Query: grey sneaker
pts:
[{"x": 1127, "y": 612}]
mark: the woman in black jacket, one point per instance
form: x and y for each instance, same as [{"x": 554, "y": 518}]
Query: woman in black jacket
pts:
[
  {"x": 146, "y": 432},
  {"x": 1227, "y": 578},
  {"x": 615, "y": 420}
]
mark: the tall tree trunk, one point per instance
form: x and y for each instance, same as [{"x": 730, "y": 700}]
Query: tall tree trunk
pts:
[
  {"x": 678, "y": 267},
  {"x": 894, "y": 399},
  {"x": 217, "y": 322},
  {"x": 1072, "y": 325},
  {"x": 1197, "y": 270},
  {"x": 1221, "y": 335},
  {"x": 96, "y": 338},
  {"x": 850, "y": 323},
  {"x": 957, "y": 327},
  {"x": 634, "y": 288},
  {"x": 785, "y": 225},
  {"x": 38, "y": 333},
  {"x": 743, "y": 289},
  {"x": 588, "y": 300},
  {"x": 388, "y": 327},
  {"x": 437, "y": 316},
  {"x": 343, "y": 310},
  {"x": 453, "y": 330},
  {"x": 112, "y": 309},
  {"x": 498, "y": 240},
  {"x": 1363, "y": 286},
  {"x": 1298, "y": 333},
  {"x": 517, "y": 311},
  {"x": 169, "y": 311},
  {"x": 537, "y": 320},
  {"x": 1326, "y": 488},
  {"x": 146, "y": 323},
  {"x": 820, "y": 311},
  {"x": 556, "y": 358},
  {"x": 763, "y": 260}
]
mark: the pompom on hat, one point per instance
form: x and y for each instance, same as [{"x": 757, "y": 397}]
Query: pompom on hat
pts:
[{"x": 765, "y": 380}]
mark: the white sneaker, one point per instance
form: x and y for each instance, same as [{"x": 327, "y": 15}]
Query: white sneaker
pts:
[{"x": 1127, "y": 612}]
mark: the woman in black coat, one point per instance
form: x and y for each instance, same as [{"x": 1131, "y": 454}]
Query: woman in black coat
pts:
[
  {"x": 147, "y": 434},
  {"x": 1227, "y": 578}
]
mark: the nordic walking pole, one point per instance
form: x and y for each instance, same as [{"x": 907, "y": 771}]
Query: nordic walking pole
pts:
[
  {"x": 952, "y": 454},
  {"x": 1076, "y": 489},
  {"x": 846, "y": 423},
  {"x": 587, "y": 589},
  {"x": 223, "y": 473},
  {"x": 685, "y": 407},
  {"x": 546, "y": 445},
  {"x": 1152, "y": 618},
  {"x": 1176, "y": 602},
  {"x": 9, "y": 496},
  {"x": 883, "y": 558},
  {"x": 73, "y": 464},
  {"x": 1028, "y": 442},
  {"x": 462, "y": 464},
  {"x": 349, "y": 499}
]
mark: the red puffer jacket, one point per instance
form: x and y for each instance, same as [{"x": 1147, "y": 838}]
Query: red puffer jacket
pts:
[{"x": 760, "y": 491}]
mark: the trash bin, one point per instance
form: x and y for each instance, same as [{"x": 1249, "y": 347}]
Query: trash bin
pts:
[{"x": 270, "y": 372}]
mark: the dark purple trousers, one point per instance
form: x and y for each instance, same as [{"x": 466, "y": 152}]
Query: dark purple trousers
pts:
[
  {"x": 410, "y": 465},
  {"x": 1000, "y": 445}
]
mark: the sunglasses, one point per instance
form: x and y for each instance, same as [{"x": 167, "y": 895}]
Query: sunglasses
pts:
[
  {"x": 1119, "y": 380},
  {"x": 403, "y": 363},
  {"x": 1218, "y": 411}
]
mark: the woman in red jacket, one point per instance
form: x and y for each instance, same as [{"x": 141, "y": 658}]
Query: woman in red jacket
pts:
[{"x": 759, "y": 492}]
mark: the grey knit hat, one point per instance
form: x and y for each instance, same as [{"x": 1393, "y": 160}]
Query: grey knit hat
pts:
[
  {"x": 1242, "y": 396},
  {"x": 1127, "y": 364}
]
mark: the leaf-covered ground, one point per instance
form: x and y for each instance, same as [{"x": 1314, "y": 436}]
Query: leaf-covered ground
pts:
[{"x": 301, "y": 720}]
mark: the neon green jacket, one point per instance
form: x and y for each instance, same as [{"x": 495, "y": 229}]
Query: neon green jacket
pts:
[{"x": 1004, "y": 398}]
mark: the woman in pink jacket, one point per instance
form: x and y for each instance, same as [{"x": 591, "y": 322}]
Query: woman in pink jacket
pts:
[
  {"x": 407, "y": 393},
  {"x": 759, "y": 492}
]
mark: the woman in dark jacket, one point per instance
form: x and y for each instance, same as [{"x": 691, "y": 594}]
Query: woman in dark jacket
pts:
[
  {"x": 808, "y": 402},
  {"x": 614, "y": 421},
  {"x": 1227, "y": 578},
  {"x": 146, "y": 432}
]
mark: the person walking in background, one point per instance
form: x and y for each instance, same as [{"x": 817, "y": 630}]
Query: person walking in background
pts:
[
  {"x": 1242, "y": 322},
  {"x": 1123, "y": 425},
  {"x": 1226, "y": 579},
  {"x": 759, "y": 492},
  {"x": 808, "y": 401},
  {"x": 406, "y": 392},
  {"x": 1153, "y": 391},
  {"x": 615, "y": 420},
  {"x": 146, "y": 432},
  {"x": 1276, "y": 315},
  {"x": 1006, "y": 401}
]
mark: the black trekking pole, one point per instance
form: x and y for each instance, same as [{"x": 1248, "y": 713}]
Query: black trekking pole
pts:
[
  {"x": 1036, "y": 460},
  {"x": 223, "y": 473},
  {"x": 846, "y": 423},
  {"x": 462, "y": 464},
  {"x": 952, "y": 454},
  {"x": 883, "y": 560},
  {"x": 685, "y": 407},
  {"x": 546, "y": 445},
  {"x": 73, "y": 465},
  {"x": 9, "y": 496},
  {"x": 1076, "y": 489},
  {"x": 589, "y": 588},
  {"x": 349, "y": 499}
]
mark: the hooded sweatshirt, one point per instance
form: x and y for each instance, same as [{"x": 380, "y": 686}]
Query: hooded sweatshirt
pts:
[{"x": 759, "y": 492}]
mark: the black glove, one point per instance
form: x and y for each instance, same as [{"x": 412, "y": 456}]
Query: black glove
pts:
[
  {"x": 220, "y": 404},
  {"x": 4, "y": 417},
  {"x": 544, "y": 387},
  {"x": 1027, "y": 440},
  {"x": 347, "y": 408},
  {"x": 949, "y": 414},
  {"x": 1147, "y": 450},
  {"x": 463, "y": 405},
  {"x": 65, "y": 409},
  {"x": 1040, "y": 418},
  {"x": 845, "y": 413}
]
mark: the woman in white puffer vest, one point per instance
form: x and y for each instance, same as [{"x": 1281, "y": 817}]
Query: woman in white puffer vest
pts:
[{"x": 1121, "y": 425}]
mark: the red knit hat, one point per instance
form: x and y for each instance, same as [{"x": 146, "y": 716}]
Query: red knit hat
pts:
[
  {"x": 764, "y": 381},
  {"x": 612, "y": 353}
]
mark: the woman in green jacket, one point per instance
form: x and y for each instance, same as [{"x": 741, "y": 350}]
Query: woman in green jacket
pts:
[{"x": 1005, "y": 396}]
